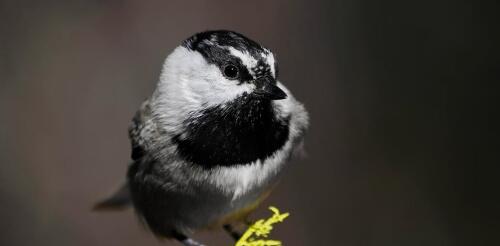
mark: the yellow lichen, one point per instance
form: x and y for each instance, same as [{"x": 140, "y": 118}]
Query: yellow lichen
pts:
[{"x": 257, "y": 233}]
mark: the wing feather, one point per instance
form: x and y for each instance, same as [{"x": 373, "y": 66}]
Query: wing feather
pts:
[{"x": 140, "y": 131}]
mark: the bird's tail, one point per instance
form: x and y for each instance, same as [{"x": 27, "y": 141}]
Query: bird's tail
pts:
[{"x": 119, "y": 200}]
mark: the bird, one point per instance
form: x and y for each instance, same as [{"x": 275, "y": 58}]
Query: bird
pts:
[{"x": 212, "y": 140}]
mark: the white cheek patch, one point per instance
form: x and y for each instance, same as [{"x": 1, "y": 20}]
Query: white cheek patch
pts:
[
  {"x": 189, "y": 83},
  {"x": 221, "y": 90}
]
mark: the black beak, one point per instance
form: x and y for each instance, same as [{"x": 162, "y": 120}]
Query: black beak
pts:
[{"x": 267, "y": 88}]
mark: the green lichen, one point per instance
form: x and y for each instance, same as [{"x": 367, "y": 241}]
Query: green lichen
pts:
[{"x": 257, "y": 233}]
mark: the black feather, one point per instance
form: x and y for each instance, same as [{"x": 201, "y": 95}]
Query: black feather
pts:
[
  {"x": 243, "y": 131},
  {"x": 212, "y": 45}
]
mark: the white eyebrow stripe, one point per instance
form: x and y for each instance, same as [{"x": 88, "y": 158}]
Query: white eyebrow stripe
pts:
[
  {"x": 245, "y": 58},
  {"x": 270, "y": 61}
]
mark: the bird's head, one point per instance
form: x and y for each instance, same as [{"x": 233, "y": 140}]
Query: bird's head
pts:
[{"x": 215, "y": 67}]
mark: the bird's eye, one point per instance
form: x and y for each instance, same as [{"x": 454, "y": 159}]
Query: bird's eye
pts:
[{"x": 231, "y": 71}]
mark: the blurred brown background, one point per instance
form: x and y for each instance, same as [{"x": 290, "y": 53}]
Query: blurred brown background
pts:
[{"x": 403, "y": 144}]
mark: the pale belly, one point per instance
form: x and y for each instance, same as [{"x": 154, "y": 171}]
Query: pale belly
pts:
[
  {"x": 209, "y": 209},
  {"x": 227, "y": 195}
]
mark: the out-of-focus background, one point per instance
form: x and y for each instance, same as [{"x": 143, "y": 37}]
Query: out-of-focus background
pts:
[{"x": 402, "y": 147}]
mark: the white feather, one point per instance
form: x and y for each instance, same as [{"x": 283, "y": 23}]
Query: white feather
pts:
[
  {"x": 189, "y": 83},
  {"x": 245, "y": 58},
  {"x": 269, "y": 56}
]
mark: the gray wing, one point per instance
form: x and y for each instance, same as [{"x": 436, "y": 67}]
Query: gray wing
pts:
[
  {"x": 140, "y": 136},
  {"x": 140, "y": 131}
]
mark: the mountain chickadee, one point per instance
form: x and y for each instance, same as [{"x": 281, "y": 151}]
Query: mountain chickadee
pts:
[{"x": 209, "y": 144}]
